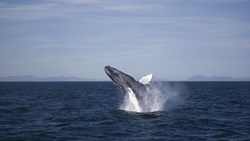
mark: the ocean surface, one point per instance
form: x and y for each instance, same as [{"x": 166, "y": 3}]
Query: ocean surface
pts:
[{"x": 85, "y": 111}]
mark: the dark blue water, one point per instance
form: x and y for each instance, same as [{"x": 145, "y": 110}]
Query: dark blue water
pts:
[{"x": 90, "y": 111}]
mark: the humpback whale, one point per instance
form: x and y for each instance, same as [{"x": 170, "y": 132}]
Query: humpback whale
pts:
[{"x": 135, "y": 89}]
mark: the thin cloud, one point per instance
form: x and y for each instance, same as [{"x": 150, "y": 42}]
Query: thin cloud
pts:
[
  {"x": 226, "y": 1},
  {"x": 17, "y": 12},
  {"x": 167, "y": 35},
  {"x": 56, "y": 8}
]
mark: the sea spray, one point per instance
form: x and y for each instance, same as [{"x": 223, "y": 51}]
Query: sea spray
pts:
[{"x": 159, "y": 96}]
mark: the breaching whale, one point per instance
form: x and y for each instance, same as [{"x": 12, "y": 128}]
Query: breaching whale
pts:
[{"x": 135, "y": 89}]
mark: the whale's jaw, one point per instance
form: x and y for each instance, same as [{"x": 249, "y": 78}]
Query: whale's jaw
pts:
[{"x": 124, "y": 81}]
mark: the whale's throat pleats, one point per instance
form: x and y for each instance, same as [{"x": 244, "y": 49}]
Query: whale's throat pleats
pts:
[{"x": 133, "y": 102}]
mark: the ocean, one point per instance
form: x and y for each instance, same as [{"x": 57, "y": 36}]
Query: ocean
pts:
[{"x": 85, "y": 111}]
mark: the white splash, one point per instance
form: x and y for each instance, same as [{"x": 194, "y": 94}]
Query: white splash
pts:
[{"x": 156, "y": 98}]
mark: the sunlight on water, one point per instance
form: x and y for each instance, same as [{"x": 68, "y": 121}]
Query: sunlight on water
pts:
[{"x": 158, "y": 97}]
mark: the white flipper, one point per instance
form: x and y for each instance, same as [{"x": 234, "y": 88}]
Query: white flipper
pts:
[{"x": 146, "y": 79}]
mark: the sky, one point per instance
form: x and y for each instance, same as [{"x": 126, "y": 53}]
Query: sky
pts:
[{"x": 174, "y": 39}]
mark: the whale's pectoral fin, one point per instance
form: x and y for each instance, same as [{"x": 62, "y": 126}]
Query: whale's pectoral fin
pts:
[{"x": 146, "y": 79}]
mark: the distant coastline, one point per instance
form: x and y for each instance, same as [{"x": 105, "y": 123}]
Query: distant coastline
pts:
[
  {"x": 216, "y": 78},
  {"x": 31, "y": 78}
]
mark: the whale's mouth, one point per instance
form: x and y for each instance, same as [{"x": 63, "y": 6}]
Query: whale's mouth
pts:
[
  {"x": 110, "y": 72},
  {"x": 107, "y": 71}
]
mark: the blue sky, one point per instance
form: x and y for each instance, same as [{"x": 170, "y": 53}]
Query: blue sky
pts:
[{"x": 174, "y": 39}]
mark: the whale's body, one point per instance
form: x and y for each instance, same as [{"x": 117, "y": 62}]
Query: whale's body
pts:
[{"x": 136, "y": 90}]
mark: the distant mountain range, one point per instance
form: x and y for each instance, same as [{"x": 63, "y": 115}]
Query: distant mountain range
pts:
[
  {"x": 34, "y": 78},
  {"x": 31, "y": 78},
  {"x": 216, "y": 78}
]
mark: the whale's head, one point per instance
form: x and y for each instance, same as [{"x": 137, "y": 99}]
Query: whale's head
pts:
[
  {"x": 118, "y": 77},
  {"x": 125, "y": 81}
]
